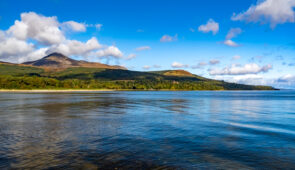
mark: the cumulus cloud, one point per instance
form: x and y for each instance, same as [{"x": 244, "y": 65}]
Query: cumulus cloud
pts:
[
  {"x": 34, "y": 55},
  {"x": 211, "y": 25},
  {"x": 143, "y": 48},
  {"x": 110, "y": 51},
  {"x": 178, "y": 65},
  {"x": 233, "y": 32},
  {"x": 230, "y": 43},
  {"x": 2, "y": 35},
  {"x": 13, "y": 46},
  {"x": 16, "y": 43},
  {"x": 168, "y": 38},
  {"x": 43, "y": 29},
  {"x": 268, "y": 11},
  {"x": 74, "y": 47},
  {"x": 251, "y": 68},
  {"x": 75, "y": 26}
]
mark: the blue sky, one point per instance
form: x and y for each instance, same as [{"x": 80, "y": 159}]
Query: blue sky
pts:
[{"x": 245, "y": 41}]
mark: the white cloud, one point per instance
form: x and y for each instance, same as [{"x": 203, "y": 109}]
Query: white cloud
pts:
[
  {"x": 236, "y": 57},
  {"x": 35, "y": 55},
  {"x": 234, "y": 69},
  {"x": 74, "y": 47},
  {"x": 130, "y": 56},
  {"x": 287, "y": 78},
  {"x": 16, "y": 43},
  {"x": 110, "y": 51},
  {"x": 230, "y": 43},
  {"x": 143, "y": 48},
  {"x": 157, "y": 66},
  {"x": 268, "y": 11},
  {"x": 233, "y": 32},
  {"x": 75, "y": 26},
  {"x": 146, "y": 67},
  {"x": 284, "y": 82},
  {"x": 211, "y": 25},
  {"x": 168, "y": 38},
  {"x": 214, "y": 61},
  {"x": 178, "y": 65},
  {"x": 98, "y": 26},
  {"x": 2, "y": 35},
  {"x": 199, "y": 65},
  {"x": 250, "y": 79},
  {"x": 13, "y": 46},
  {"x": 19, "y": 30},
  {"x": 43, "y": 29}
]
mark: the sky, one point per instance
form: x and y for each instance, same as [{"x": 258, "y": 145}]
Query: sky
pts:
[{"x": 249, "y": 41}]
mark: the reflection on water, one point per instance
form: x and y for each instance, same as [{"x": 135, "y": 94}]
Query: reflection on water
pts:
[{"x": 132, "y": 130}]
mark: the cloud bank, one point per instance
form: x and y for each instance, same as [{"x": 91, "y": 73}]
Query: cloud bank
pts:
[
  {"x": 235, "y": 69},
  {"x": 34, "y": 36},
  {"x": 268, "y": 11},
  {"x": 178, "y": 65}
]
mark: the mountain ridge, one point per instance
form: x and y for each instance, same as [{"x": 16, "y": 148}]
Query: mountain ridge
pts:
[
  {"x": 57, "y": 71},
  {"x": 58, "y": 61}
]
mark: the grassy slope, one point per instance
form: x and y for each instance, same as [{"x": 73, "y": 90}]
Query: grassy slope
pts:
[
  {"x": 16, "y": 70},
  {"x": 111, "y": 79}
]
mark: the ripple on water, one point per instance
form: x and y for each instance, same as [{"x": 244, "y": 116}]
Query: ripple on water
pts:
[{"x": 148, "y": 130}]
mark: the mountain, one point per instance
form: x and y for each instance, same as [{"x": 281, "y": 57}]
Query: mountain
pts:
[
  {"x": 57, "y": 71},
  {"x": 59, "y": 61},
  {"x": 181, "y": 73}
]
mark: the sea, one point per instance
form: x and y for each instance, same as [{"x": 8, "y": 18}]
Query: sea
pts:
[{"x": 148, "y": 130}]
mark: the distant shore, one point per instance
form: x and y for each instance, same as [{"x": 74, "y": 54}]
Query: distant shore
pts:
[
  {"x": 97, "y": 90},
  {"x": 55, "y": 90}
]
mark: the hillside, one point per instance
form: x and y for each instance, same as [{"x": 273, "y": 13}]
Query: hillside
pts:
[
  {"x": 59, "y": 61},
  {"x": 59, "y": 72}
]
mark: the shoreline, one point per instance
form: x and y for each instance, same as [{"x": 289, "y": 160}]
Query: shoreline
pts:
[
  {"x": 97, "y": 90},
  {"x": 54, "y": 90}
]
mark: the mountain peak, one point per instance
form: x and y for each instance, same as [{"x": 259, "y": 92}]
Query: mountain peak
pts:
[
  {"x": 178, "y": 73},
  {"x": 55, "y": 54},
  {"x": 58, "y": 61}
]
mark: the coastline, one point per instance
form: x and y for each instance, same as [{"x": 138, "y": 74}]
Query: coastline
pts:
[
  {"x": 53, "y": 90},
  {"x": 98, "y": 90}
]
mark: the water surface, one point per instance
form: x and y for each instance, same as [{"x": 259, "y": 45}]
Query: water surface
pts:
[{"x": 132, "y": 130}]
